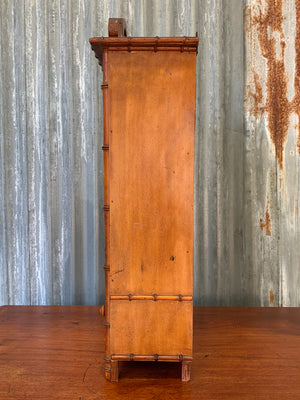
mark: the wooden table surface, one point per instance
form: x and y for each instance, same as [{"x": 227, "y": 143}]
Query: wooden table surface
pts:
[{"x": 55, "y": 352}]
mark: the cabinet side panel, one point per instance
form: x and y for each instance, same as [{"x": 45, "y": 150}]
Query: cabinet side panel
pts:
[
  {"x": 152, "y": 112},
  {"x": 167, "y": 329}
]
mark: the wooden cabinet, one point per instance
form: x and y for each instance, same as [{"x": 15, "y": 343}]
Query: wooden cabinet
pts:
[{"x": 149, "y": 117}]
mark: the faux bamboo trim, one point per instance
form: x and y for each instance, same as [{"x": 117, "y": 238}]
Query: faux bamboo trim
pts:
[
  {"x": 106, "y": 201},
  {"x": 153, "y": 297},
  {"x": 151, "y": 357},
  {"x": 105, "y": 147},
  {"x": 182, "y": 44},
  {"x": 148, "y": 42},
  {"x": 130, "y": 47}
]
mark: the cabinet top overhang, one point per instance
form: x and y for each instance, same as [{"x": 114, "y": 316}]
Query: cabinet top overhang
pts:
[{"x": 132, "y": 44}]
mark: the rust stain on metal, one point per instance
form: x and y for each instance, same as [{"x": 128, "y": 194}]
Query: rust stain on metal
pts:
[
  {"x": 266, "y": 224},
  {"x": 277, "y": 104},
  {"x": 267, "y": 24},
  {"x": 257, "y": 95},
  {"x": 272, "y": 297},
  {"x": 296, "y": 101}
]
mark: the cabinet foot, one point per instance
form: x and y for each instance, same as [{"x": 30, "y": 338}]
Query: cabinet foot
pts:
[
  {"x": 114, "y": 365},
  {"x": 112, "y": 370},
  {"x": 185, "y": 371}
]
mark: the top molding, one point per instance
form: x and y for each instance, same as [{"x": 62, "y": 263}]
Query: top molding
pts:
[{"x": 130, "y": 44}]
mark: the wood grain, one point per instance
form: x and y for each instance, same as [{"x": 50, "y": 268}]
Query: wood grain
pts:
[
  {"x": 152, "y": 109},
  {"x": 147, "y": 327},
  {"x": 239, "y": 353}
]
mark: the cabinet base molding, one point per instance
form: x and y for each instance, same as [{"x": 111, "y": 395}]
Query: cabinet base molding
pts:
[
  {"x": 151, "y": 357},
  {"x": 111, "y": 367}
]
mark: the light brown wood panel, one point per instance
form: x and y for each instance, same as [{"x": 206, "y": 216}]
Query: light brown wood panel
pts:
[
  {"x": 146, "y": 327},
  {"x": 151, "y": 102}
]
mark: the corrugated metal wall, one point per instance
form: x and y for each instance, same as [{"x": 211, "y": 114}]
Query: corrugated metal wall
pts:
[
  {"x": 247, "y": 159},
  {"x": 272, "y": 144}
]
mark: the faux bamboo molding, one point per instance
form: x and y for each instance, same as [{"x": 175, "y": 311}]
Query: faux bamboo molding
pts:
[
  {"x": 130, "y": 44},
  {"x": 153, "y": 297},
  {"x": 106, "y": 309},
  {"x": 150, "y": 357}
]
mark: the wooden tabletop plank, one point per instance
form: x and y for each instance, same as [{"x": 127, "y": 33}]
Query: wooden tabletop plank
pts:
[{"x": 55, "y": 352}]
